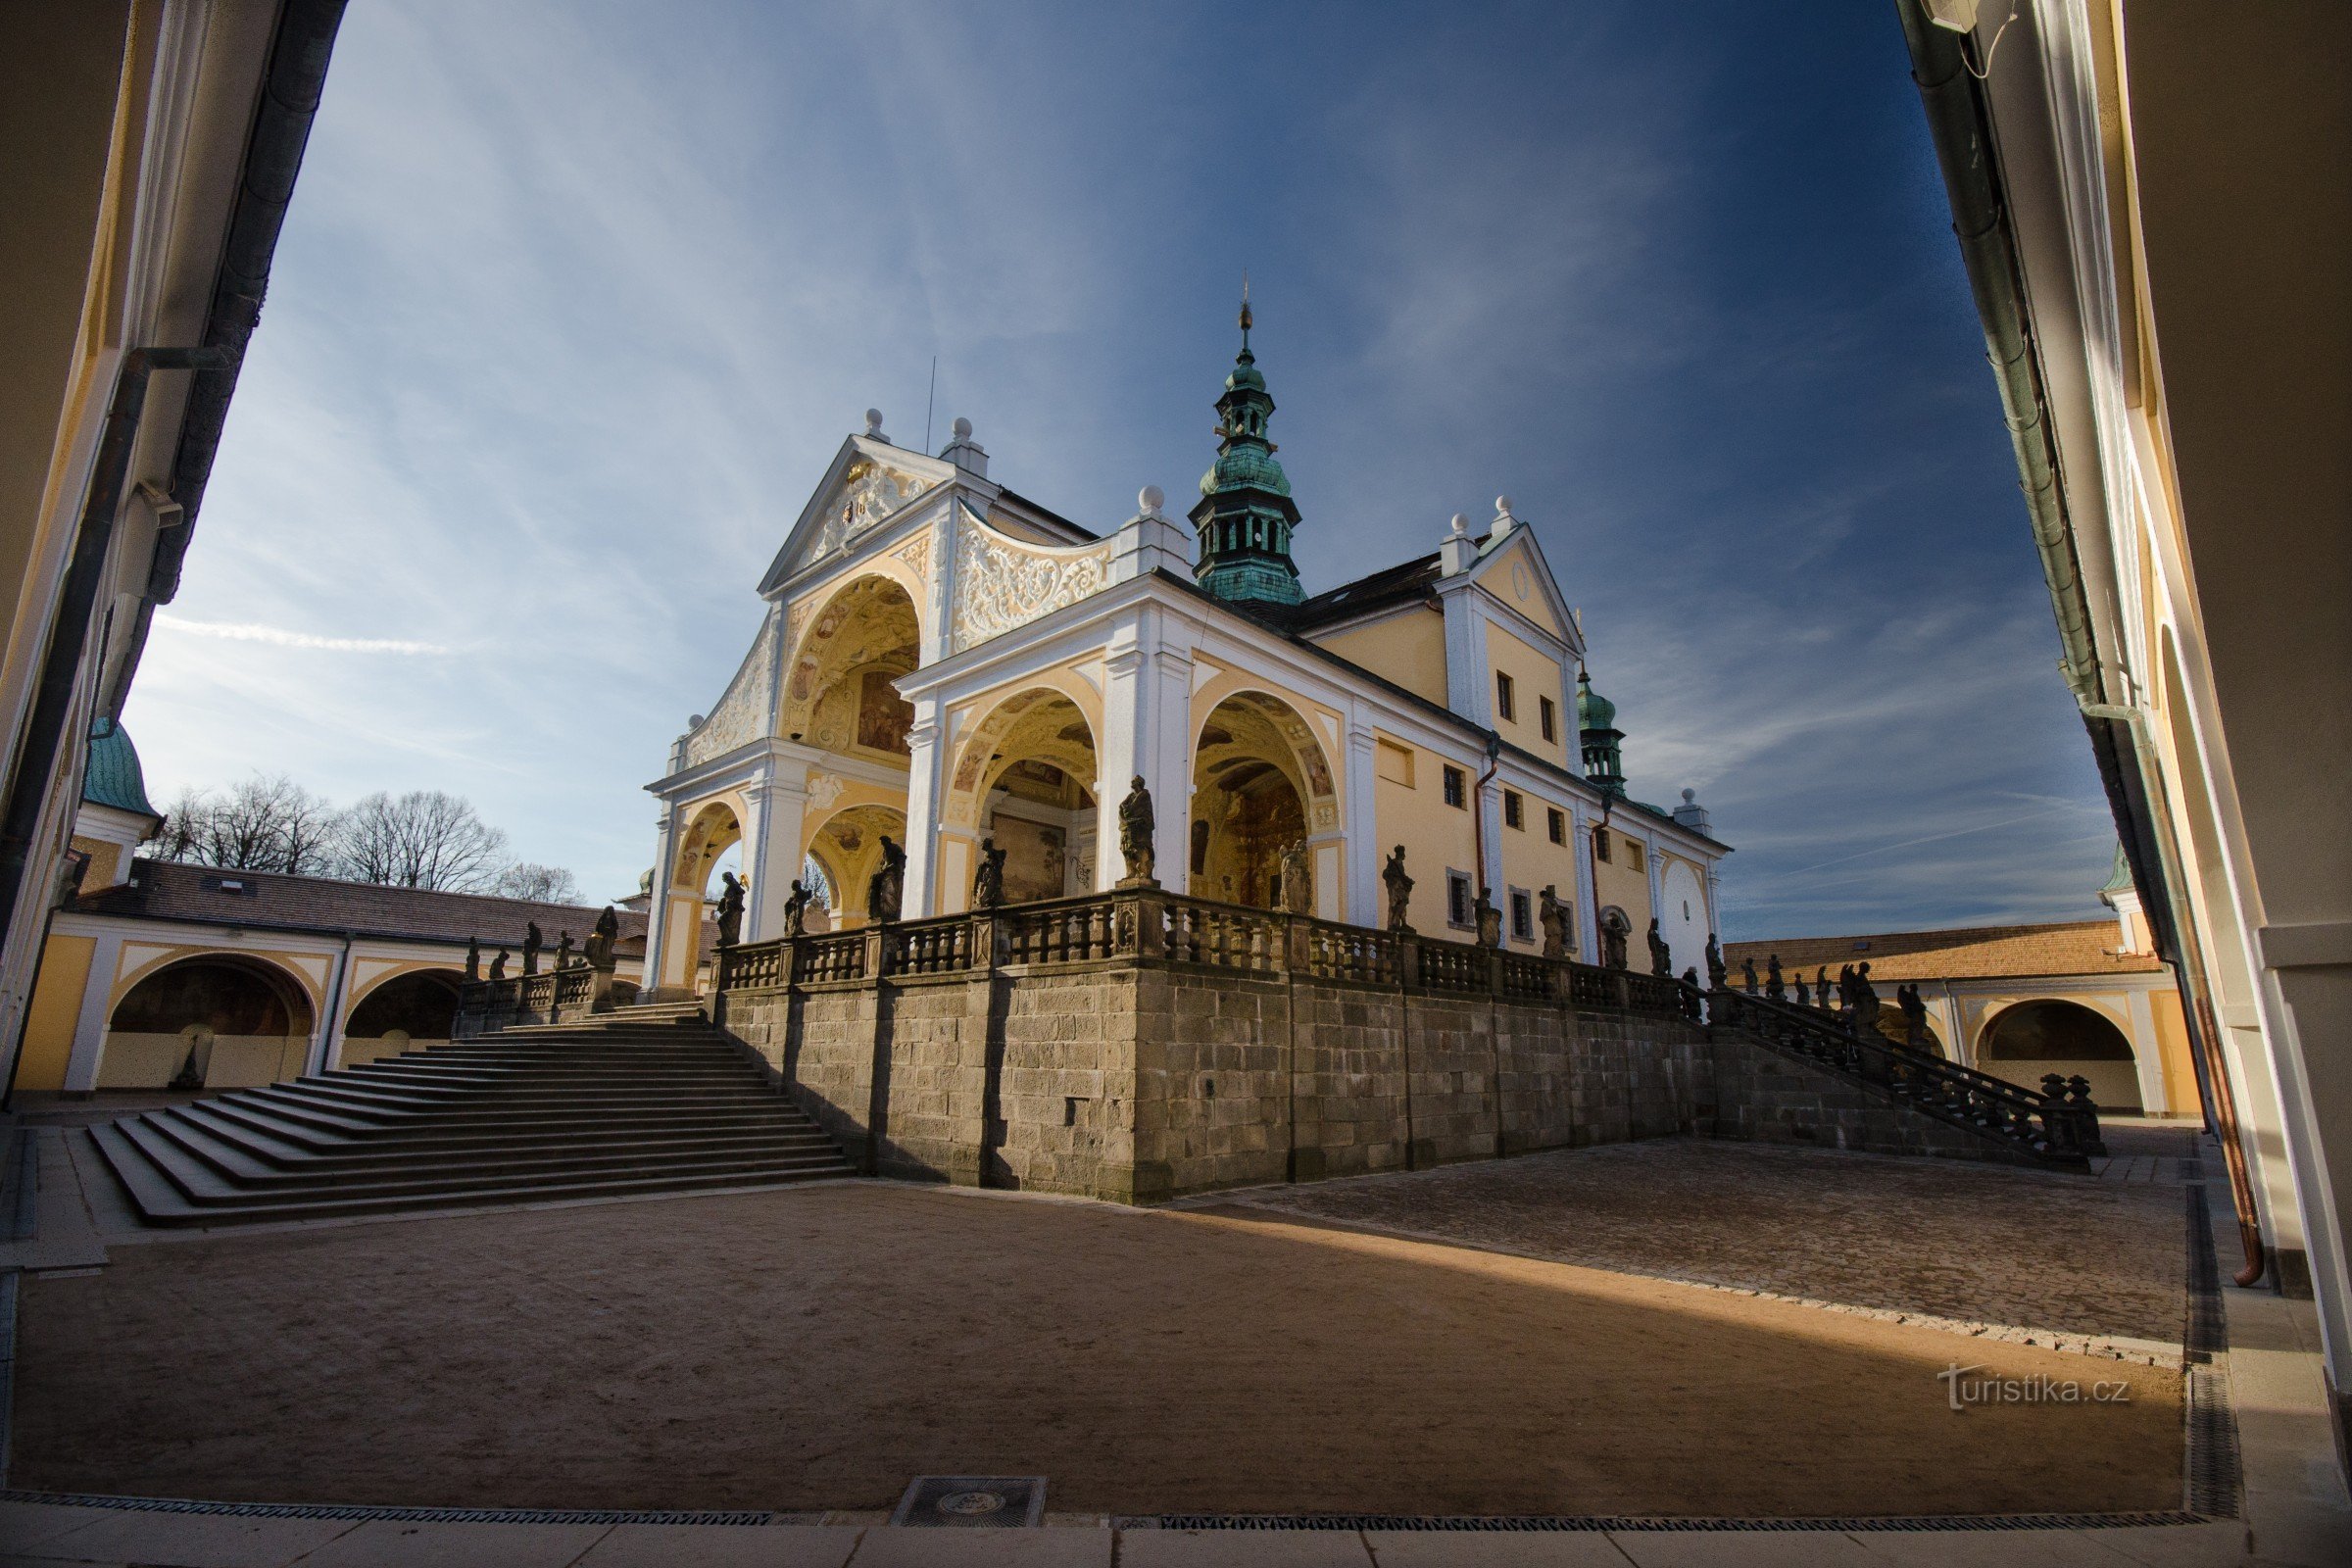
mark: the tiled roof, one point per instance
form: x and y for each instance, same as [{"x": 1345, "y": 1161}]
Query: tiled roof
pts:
[
  {"x": 164, "y": 890},
  {"x": 1390, "y": 585},
  {"x": 1972, "y": 952}
]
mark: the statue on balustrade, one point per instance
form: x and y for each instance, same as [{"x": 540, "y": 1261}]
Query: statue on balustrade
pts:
[
  {"x": 988, "y": 883},
  {"x": 1821, "y": 986},
  {"x": 1915, "y": 1016},
  {"x": 886, "y": 890},
  {"x": 1747, "y": 975},
  {"x": 497, "y": 966},
  {"x": 562, "y": 950},
  {"x": 1401, "y": 893},
  {"x": 1136, "y": 826},
  {"x": 1612, "y": 945},
  {"x": 532, "y": 942},
  {"x": 1661, "y": 956},
  {"x": 1866, "y": 1000},
  {"x": 599, "y": 948},
  {"x": 473, "y": 958},
  {"x": 730, "y": 910},
  {"x": 1717, "y": 973},
  {"x": 1555, "y": 923},
  {"x": 796, "y": 910},
  {"x": 1845, "y": 991},
  {"x": 1775, "y": 986},
  {"x": 1298, "y": 879},
  {"x": 1490, "y": 922}
]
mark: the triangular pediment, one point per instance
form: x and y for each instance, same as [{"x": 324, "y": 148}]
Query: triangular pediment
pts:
[
  {"x": 869, "y": 484},
  {"x": 1513, "y": 573}
]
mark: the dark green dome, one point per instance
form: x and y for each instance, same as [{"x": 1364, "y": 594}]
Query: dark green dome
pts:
[
  {"x": 1592, "y": 710},
  {"x": 114, "y": 776},
  {"x": 1250, "y": 466}
]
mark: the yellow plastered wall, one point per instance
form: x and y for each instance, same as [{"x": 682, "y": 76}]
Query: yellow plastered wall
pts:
[
  {"x": 2172, "y": 1045},
  {"x": 1514, "y": 578},
  {"x": 1534, "y": 677},
  {"x": 1436, "y": 836},
  {"x": 105, "y": 858},
  {"x": 56, "y": 1008},
  {"x": 1530, "y": 860},
  {"x": 1618, "y": 883},
  {"x": 1407, "y": 649}
]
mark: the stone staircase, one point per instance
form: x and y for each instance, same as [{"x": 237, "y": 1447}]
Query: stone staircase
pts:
[{"x": 644, "y": 1100}]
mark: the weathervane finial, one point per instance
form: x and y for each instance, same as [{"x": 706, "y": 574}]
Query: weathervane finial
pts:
[{"x": 1244, "y": 310}]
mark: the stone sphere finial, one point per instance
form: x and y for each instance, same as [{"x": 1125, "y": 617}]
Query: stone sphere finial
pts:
[
  {"x": 962, "y": 428},
  {"x": 873, "y": 422},
  {"x": 694, "y": 722},
  {"x": 1461, "y": 524},
  {"x": 1502, "y": 506},
  {"x": 1151, "y": 498},
  {"x": 1690, "y": 797}
]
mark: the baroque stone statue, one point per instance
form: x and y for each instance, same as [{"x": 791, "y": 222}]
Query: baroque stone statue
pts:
[
  {"x": 730, "y": 910},
  {"x": 1612, "y": 945},
  {"x": 1136, "y": 825},
  {"x": 1747, "y": 975},
  {"x": 1661, "y": 956},
  {"x": 796, "y": 910},
  {"x": 888, "y": 888},
  {"x": 473, "y": 958},
  {"x": 1821, "y": 986},
  {"x": 1717, "y": 974},
  {"x": 1554, "y": 919},
  {"x": 562, "y": 950},
  {"x": 532, "y": 942},
  {"x": 1915, "y": 1016},
  {"x": 1490, "y": 922},
  {"x": 1298, "y": 879},
  {"x": 1775, "y": 986},
  {"x": 497, "y": 966},
  {"x": 1866, "y": 1000},
  {"x": 599, "y": 948},
  {"x": 1401, "y": 893},
  {"x": 988, "y": 882}
]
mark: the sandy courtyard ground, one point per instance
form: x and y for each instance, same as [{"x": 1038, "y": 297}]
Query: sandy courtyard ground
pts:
[
  {"x": 1953, "y": 1240},
  {"x": 815, "y": 1348}
]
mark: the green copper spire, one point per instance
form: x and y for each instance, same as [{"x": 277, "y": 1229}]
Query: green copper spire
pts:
[
  {"x": 1597, "y": 728},
  {"x": 1246, "y": 514}
]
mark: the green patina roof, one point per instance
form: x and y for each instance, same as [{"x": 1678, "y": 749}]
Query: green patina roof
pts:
[
  {"x": 1592, "y": 710},
  {"x": 113, "y": 776},
  {"x": 2120, "y": 881},
  {"x": 1246, "y": 468}
]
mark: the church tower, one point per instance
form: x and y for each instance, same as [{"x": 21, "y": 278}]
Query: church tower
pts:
[
  {"x": 1246, "y": 514},
  {"x": 1596, "y": 725}
]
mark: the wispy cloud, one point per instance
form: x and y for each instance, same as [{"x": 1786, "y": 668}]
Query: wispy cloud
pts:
[{"x": 279, "y": 637}]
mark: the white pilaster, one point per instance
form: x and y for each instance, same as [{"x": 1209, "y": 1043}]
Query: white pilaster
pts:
[
  {"x": 1469, "y": 677},
  {"x": 771, "y": 852},
  {"x": 1588, "y": 891},
  {"x": 922, "y": 810},
  {"x": 327, "y": 1039},
  {"x": 1489, "y": 837},
  {"x": 2147, "y": 1055},
  {"x": 1147, "y": 703},
  {"x": 1361, "y": 848},
  {"x": 89, "y": 1025},
  {"x": 666, "y": 841}
]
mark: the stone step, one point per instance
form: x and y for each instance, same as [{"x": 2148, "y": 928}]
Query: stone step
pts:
[
  {"x": 277, "y": 1143},
  {"x": 327, "y": 1132}
]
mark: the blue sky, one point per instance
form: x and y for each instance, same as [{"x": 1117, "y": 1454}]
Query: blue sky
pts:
[{"x": 576, "y": 300}]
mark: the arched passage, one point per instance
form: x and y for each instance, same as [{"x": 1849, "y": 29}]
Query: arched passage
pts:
[
  {"x": 1026, "y": 776},
  {"x": 712, "y": 843},
  {"x": 837, "y": 685},
  {"x": 218, "y": 1021},
  {"x": 2034, "y": 1038},
  {"x": 1682, "y": 916},
  {"x": 1260, "y": 785},
  {"x": 401, "y": 1014},
  {"x": 848, "y": 847}
]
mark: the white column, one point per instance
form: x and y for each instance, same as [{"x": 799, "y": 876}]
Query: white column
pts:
[
  {"x": 1657, "y": 881},
  {"x": 1171, "y": 727},
  {"x": 2147, "y": 1054},
  {"x": 922, "y": 810},
  {"x": 1490, "y": 836},
  {"x": 1146, "y": 705},
  {"x": 665, "y": 839},
  {"x": 771, "y": 858},
  {"x": 89, "y": 1025},
  {"x": 1588, "y": 897},
  {"x": 327, "y": 1040},
  {"x": 1361, "y": 845}
]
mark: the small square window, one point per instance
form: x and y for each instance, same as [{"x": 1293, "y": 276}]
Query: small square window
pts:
[
  {"x": 1632, "y": 856},
  {"x": 1555, "y": 824},
  {"x": 1600, "y": 844},
  {"x": 1458, "y": 899},
  {"x": 1456, "y": 787},
  {"x": 1394, "y": 762},
  {"x": 1523, "y": 916},
  {"x": 1514, "y": 809},
  {"x": 1547, "y": 714},
  {"x": 1507, "y": 702}
]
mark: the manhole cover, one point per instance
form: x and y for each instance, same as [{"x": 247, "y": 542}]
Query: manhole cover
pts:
[{"x": 968, "y": 1502}]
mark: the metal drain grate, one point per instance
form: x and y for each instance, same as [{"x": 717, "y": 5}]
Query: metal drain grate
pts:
[
  {"x": 973, "y": 1502},
  {"x": 365, "y": 1511},
  {"x": 2213, "y": 1460}
]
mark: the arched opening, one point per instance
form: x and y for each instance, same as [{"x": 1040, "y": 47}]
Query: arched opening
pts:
[
  {"x": 1682, "y": 916},
  {"x": 2034, "y": 1038},
  {"x": 848, "y": 848},
  {"x": 219, "y": 1022},
  {"x": 839, "y": 694},
  {"x": 404, "y": 1012},
  {"x": 1892, "y": 1026},
  {"x": 712, "y": 845},
  {"x": 1026, "y": 778},
  {"x": 1260, "y": 785}
]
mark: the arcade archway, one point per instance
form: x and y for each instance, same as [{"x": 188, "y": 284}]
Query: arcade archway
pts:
[
  {"x": 848, "y": 847},
  {"x": 219, "y": 1021},
  {"x": 713, "y": 843},
  {"x": 2034, "y": 1038},
  {"x": 839, "y": 691},
  {"x": 406, "y": 1011},
  {"x": 1027, "y": 777},
  {"x": 1260, "y": 785}
]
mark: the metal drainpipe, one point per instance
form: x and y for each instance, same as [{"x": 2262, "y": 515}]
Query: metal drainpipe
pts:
[
  {"x": 70, "y": 633},
  {"x": 328, "y": 1027},
  {"x": 1478, "y": 813}
]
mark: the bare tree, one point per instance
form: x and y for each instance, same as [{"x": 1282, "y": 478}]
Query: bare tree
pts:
[
  {"x": 423, "y": 839},
  {"x": 181, "y": 835},
  {"x": 267, "y": 824},
  {"x": 543, "y": 884}
]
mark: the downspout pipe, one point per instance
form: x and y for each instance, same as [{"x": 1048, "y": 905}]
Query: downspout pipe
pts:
[{"x": 45, "y": 736}]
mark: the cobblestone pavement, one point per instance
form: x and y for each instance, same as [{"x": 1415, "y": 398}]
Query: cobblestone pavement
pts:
[{"x": 1975, "y": 1243}]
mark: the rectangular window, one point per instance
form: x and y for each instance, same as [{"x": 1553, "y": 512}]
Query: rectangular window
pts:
[
  {"x": 1505, "y": 699},
  {"x": 1555, "y": 822},
  {"x": 1523, "y": 916},
  {"x": 1458, "y": 899},
  {"x": 1456, "y": 787},
  {"x": 1632, "y": 856},
  {"x": 1393, "y": 763},
  {"x": 1600, "y": 844},
  {"x": 1514, "y": 809},
  {"x": 1547, "y": 712}
]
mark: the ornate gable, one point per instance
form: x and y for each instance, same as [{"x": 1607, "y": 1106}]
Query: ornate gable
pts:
[{"x": 869, "y": 485}]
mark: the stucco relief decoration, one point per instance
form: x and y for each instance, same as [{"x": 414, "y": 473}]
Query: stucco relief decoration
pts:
[
  {"x": 1001, "y": 583},
  {"x": 823, "y": 790},
  {"x": 915, "y": 553},
  {"x": 741, "y": 717},
  {"x": 868, "y": 494}
]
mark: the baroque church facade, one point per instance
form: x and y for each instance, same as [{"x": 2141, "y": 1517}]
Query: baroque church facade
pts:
[{"x": 950, "y": 667}]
